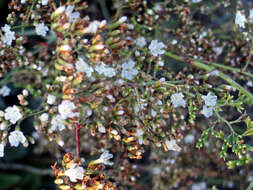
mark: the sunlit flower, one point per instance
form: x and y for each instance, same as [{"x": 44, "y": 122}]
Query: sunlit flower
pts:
[
  {"x": 178, "y": 100},
  {"x": 51, "y": 99},
  {"x": 16, "y": 137},
  {"x": 240, "y": 19},
  {"x": 172, "y": 145},
  {"x": 5, "y": 91},
  {"x": 156, "y": 48},
  {"x": 75, "y": 172},
  {"x": 12, "y": 114},
  {"x": 104, "y": 158},
  {"x": 210, "y": 99},
  {"x": 44, "y": 117},
  {"x": 57, "y": 123},
  {"x": 66, "y": 109},
  {"x": 41, "y": 29}
]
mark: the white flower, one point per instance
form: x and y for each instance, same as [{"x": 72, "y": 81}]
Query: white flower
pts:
[
  {"x": 218, "y": 50},
  {"x": 122, "y": 19},
  {"x": 210, "y": 99},
  {"x": 141, "y": 42},
  {"x": 189, "y": 139},
  {"x": 178, "y": 100},
  {"x": 251, "y": 15},
  {"x": 41, "y": 29},
  {"x": 92, "y": 28},
  {"x": 105, "y": 70},
  {"x": 12, "y": 114},
  {"x": 172, "y": 145},
  {"x": 5, "y": 91},
  {"x": 57, "y": 123},
  {"x": 240, "y": 19},
  {"x": 139, "y": 134},
  {"x": 9, "y": 35},
  {"x": 83, "y": 67},
  {"x": 44, "y": 2},
  {"x": 1, "y": 150},
  {"x": 51, "y": 99},
  {"x": 66, "y": 109},
  {"x": 196, "y": 1},
  {"x": 72, "y": 16},
  {"x": 207, "y": 111},
  {"x": 156, "y": 48},
  {"x": 104, "y": 158},
  {"x": 128, "y": 70},
  {"x": 44, "y": 117},
  {"x": 101, "y": 128},
  {"x": 199, "y": 186},
  {"x": 23, "y": 1},
  {"x": 3, "y": 126},
  {"x": 16, "y": 137},
  {"x": 75, "y": 173}
]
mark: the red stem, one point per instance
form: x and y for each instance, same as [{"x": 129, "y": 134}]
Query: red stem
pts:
[{"x": 77, "y": 141}]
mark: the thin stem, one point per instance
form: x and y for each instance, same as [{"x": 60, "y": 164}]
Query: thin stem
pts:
[
  {"x": 225, "y": 121},
  {"x": 77, "y": 140}
]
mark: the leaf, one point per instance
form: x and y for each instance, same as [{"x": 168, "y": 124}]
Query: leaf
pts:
[
  {"x": 249, "y": 123},
  {"x": 7, "y": 181},
  {"x": 249, "y": 132}
]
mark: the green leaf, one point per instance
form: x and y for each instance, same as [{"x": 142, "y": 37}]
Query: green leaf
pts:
[
  {"x": 249, "y": 132},
  {"x": 7, "y": 181},
  {"x": 249, "y": 123}
]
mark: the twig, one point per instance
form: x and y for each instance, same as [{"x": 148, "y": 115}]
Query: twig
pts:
[{"x": 25, "y": 168}]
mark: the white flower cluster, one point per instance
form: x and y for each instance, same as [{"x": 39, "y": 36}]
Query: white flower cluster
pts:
[
  {"x": 41, "y": 29},
  {"x": 12, "y": 114},
  {"x": 9, "y": 35},
  {"x": 210, "y": 101},
  {"x": 83, "y": 67},
  {"x": 128, "y": 70},
  {"x": 94, "y": 26},
  {"x": 5, "y": 91},
  {"x": 105, "y": 70},
  {"x": 72, "y": 16},
  {"x": 66, "y": 109},
  {"x": 241, "y": 20},
  {"x": 178, "y": 100},
  {"x": 16, "y": 137}
]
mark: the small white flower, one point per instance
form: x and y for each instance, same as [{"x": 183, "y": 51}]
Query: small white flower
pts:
[
  {"x": 156, "y": 48},
  {"x": 251, "y": 15},
  {"x": 210, "y": 99},
  {"x": 172, "y": 145},
  {"x": 141, "y": 42},
  {"x": 3, "y": 126},
  {"x": 72, "y": 16},
  {"x": 199, "y": 186},
  {"x": 57, "y": 123},
  {"x": 105, "y": 70},
  {"x": 122, "y": 19},
  {"x": 207, "y": 111},
  {"x": 83, "y": 67},
  {"x": 16, "y": 137},
  {"x": 160, "y": 63},
  {"x": 75, "y": 172},
  {"x": 128, "y": 70},
  {"x": 44, "y": 117},
  {"x": 41, "y": 29},
  {"x": 139, "y": 134},
  {"x": 178, "y": 100},
  {"x": 218, "y": 50},
  {"x": 12, "y": 114},
  {"x": 153, "y": 113},
  {"x": 23, "y": 1},
  {"x": 189, "y": 139},
  {"x": 104, "y": 158},
  {"x": 1, "y": 150},
  {"x": 196, "y": 1},
  {"x": 92, "y": 28},
  {"x": 101, "y": 128},
  {"x": 5, "y": 91},
  {"x": 66, "y": 109},
  {"x": 249, "y": 83},
  {"x": 240, "y": 19},
  {"x": 9, "y": 35},
  {"x": 44, "y": 2},
  {"x": 51, "y": 99}
]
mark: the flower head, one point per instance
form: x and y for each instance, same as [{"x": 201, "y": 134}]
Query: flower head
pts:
[
  {"x": 51, "y": 99},
  {"x": 72, "y": 16},
  {"x": 156, "y": 48},
  {"x": 128, "y": 70},
  {"x": 207, "y": 111},
  {"x": 44, "y": 2},
  {"x": 16, "y": 137},
  {"x": 12, "y": 114},
  {"x": 141, "y": 41},
  {"x": 104, "y": 158},
  {"x": 178, "y": 100},
  {"x": 240, "y": 19},
  {"x": 75, "y": 172},
  {"x": 57, "y": 123},
  {"x": 172, "y": 145},
  {"x": 210, "y": 99},
  {"x": 41, "y": 29},
  {"x": 9, "y": 35},
  {"x": 5, "y": 91},
  {"x": 83, "y": 67},
  {"x": 66, "y": 109}
]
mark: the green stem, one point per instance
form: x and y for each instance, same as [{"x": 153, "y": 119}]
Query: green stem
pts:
[{"x": 210, "y": 68}]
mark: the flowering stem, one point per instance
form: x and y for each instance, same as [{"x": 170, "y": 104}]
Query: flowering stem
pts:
[
  {"x": 210, "y": 68},
  {"x": 77, "y": 140}
]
